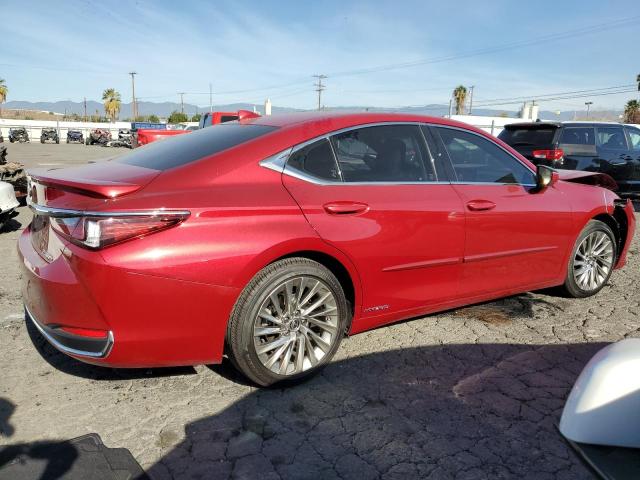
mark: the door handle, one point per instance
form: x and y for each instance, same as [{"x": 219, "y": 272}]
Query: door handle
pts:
[
  {"x": 345, "y": 208},
  {"x": 479, "y": 205}
]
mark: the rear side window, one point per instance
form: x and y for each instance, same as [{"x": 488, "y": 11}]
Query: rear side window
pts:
[
  {"x": 578, "y": 136},
  {"x": 578, "y": 141},
  {"x": 315, "y": 160},
  {"x": 182, "y": 149},
  {"x": 611, "y": 138},
  {"x": 389, "y": 153},
  {"x": 528, "y": 136}
]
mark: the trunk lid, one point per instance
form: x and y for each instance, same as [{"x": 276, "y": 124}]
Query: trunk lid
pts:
[{"x": 83, "y": 186}]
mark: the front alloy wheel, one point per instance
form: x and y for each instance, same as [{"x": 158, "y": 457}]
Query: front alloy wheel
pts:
[
  {"x": 288, "y": 322},
  {"x": 592, "y": 260}
]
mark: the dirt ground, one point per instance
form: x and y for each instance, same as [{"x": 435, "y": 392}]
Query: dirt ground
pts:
[{"x": 472, "y": 393}]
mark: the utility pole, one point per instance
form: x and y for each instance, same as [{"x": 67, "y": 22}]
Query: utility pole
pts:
[
  {"x": 320, "y": 88},
  {"x": 134, "y": 107},
  {"x": 471, "y": 98},
  {"x": 588, "y": 104},
  {"x": 210, "y": 99},
  {"x": 85, "y": 109},
  {"x": 450, "y": 107},
  {"x": 181, "y": 101}
]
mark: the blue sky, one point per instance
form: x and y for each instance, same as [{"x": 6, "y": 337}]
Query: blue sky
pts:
[{"x": 253, "y": 50}]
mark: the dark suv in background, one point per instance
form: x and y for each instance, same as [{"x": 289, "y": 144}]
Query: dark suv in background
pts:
[{"x": 609, "y": 148}]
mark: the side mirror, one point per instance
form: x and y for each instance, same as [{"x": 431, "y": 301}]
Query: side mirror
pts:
[{"x": 545, "y": 177}]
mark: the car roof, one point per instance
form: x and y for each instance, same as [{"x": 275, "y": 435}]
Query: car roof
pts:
[{"x": 318, "y": 123}]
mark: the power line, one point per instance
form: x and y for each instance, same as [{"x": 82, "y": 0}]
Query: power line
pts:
[
  {"x": 526, "y": 97},
  {"x": 563, "y": 97},
  {"x": 494, "y": 49}
]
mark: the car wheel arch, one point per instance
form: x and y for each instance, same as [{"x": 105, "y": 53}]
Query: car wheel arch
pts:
[
  {"x": 618, "y": 224},
  {"x": 334, "y": 260}
]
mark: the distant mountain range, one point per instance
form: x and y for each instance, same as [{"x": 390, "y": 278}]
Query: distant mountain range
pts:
[{"x": 164, "y": 109}]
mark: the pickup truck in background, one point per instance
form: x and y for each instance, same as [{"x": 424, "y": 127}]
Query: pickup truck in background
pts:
[
  {"x": 214, "y": 118},
  {"x": 142, "y": 136}
]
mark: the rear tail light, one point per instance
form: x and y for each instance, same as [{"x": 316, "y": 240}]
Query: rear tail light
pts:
[
  {"x": 96, "y": 232},
  {"x": 554, "y": 154}
]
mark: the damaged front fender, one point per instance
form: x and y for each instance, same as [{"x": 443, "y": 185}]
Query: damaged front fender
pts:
[{"x": 588, "y": 178}]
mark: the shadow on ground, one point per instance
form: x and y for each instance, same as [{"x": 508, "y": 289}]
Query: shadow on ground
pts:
[
  {"x": 452, "y": 411},
  {"x": 11, "y": 226},
  {"x": 57, "y": 457}
]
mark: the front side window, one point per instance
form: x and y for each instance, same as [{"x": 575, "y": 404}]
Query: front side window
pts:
[
  {"x": 478, "y": 160},
  {"x": 316, "y": 160},
  {"x": 386, "y": 153},
  {"x": 634, "y": 137},
  {"x": 611, "y": 138}
]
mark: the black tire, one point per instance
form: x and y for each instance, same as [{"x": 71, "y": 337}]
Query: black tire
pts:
[
  {"x": 571, "y": 286},
  {"x": 240, "y": 336}
]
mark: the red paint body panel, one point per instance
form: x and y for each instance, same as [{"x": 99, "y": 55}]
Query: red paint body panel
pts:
[{"x": 408, "y": 249}]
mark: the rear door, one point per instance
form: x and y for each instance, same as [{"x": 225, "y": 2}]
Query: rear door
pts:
[
  {"x": 579, "y": 146},
  {"x": 514, "y": 238},
  {"x": 376, "y": 194}
]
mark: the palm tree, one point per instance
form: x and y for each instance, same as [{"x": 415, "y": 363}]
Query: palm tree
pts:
[
  {"x": 111, "y": 99},
  {"x": 632, "y": 112},
  {"x": 460, "y": 97},
  {"x": 3, "y": 93}
]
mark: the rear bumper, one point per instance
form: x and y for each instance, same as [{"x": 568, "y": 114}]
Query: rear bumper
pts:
[
  {"x": 147, "y": 320},
  {"x": 75, "y": 345}
]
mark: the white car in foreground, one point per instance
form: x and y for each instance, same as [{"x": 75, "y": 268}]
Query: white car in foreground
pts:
[
  {"x": 8, "y": 202},
  {"x": 601, "y": 418}
]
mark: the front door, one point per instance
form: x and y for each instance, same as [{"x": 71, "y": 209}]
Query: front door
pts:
[
  {"x": 515, "y": 238},
  {"x": 374, "y": 193}
]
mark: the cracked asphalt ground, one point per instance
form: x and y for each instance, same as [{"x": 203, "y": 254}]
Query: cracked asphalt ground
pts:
[{"x": 471, "y": 393}]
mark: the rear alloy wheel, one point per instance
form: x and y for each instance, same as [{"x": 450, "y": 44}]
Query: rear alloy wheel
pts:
[
  {"x": 592, "y": 260},
  {"x": 288, "y": 322}
]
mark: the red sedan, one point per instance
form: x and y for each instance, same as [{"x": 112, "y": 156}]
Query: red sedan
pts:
[{"x": 269, "y": 239}]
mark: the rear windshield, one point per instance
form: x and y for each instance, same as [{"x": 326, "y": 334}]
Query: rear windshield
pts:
[
  {"x": 534, "y": 136},
  {"x": 183, "y": 149}
]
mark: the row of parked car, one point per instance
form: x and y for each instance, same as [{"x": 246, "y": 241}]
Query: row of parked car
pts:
[
  {"x": 97, "y": 136},
  {"x": 610, "y": 148}
]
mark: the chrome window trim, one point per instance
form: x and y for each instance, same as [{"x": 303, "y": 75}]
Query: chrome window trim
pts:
[
  {"x": 66, "y": 213},
  {"x": 317, "y": 181},
  {"x": 72, "y": 351},
  {"x": 278, "y": 161},
  {"x": 497, "y": 145}
]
